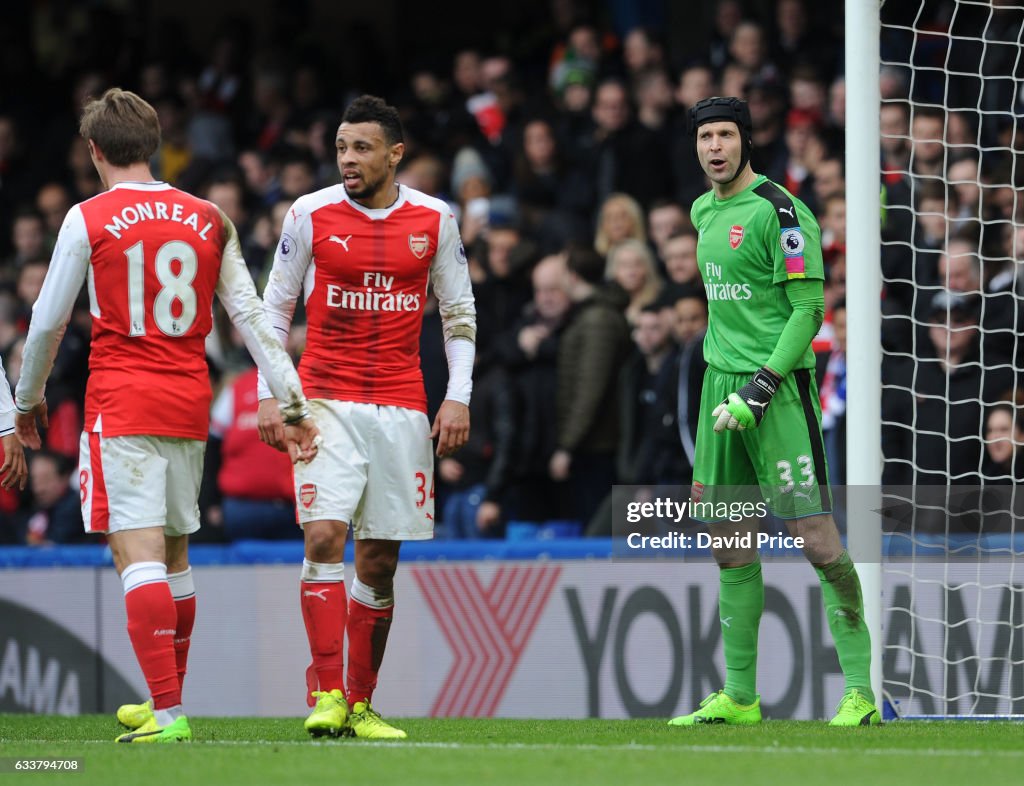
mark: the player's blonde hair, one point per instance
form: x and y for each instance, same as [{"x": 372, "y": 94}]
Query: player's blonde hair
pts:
[{"x": 122, "y": 125}]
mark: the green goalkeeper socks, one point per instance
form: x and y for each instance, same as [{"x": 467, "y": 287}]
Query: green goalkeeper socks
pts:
[
  {"x": 844, "y": 609},
  {"x": 740, "y": 603}
]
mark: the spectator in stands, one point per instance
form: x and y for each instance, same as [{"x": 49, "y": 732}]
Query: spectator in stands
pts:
[
  {"x": 1004, "y": 437},
  {"x": 804, "y": 149},
  {"x": 590, "y": 354},
  {"x": 621, "y": 218},
  {"x": 227, "y": 192},
  {"x": 529, "y": 352},
  {"x": 766, "y": 99},
  {"x": 927, "y": 150},
  {"x": 665, "y": 218},
  {"x": 933, "y": 405},
  {"x": 478, "y": 476},
  {"x": 696, "y": 82},
  {"x": 254, "y": 489},
  {"x": 631, "y": 265},
  {"x": 749, "y": 48},
  {"x": 807, "y": 91},
  {"x": 54, "y": 513},
  {"x": 1001, "y": 320},
  {"x": 28, "y": 237},
  {"x": 260, "y": 176},
  {"x": 53, "y": 202},
  {"x": 894, "y": 122},
  {"x": 471, "y": 188},
  {"x": 964, "y": 178},
  {"x": 836, "y": 118},
  {"x": 553, "y": 196},
  {"x": 652, "y": 91},
  {"x": 796, "y": 42},
  {"x": 621, "y": 154},
  {"x": 646, "y": 380},
  {"x": 505, "y": 258},
  {"x": 298, "y": 175},
  {"x": 642, "y": 49},
  {"x": 680, "y": 258},
  {"x": 728, "y": 15},
  {"x": 466, "y": 74},
  {"x": 832, "y": 220},
  {"x": 691, "y": 324},
  {"x": 734, "y": 80}
]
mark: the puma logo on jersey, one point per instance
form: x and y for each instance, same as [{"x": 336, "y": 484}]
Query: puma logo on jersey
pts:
[
  {"x": 336, "y": 239},
  {"x": 803, "y": 495},
  {"x": 788, "y": 210}
]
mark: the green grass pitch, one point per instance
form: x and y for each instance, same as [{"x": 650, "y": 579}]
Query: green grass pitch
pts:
[{"x": 258, "y": 751}]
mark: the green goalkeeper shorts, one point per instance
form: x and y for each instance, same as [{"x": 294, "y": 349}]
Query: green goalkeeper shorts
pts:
[{"x": 782, "y": 461}]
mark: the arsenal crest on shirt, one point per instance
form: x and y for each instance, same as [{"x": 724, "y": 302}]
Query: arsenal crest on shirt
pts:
[
  {"x": 419, "y": 245},
  {"x": 735, "y": 236}
]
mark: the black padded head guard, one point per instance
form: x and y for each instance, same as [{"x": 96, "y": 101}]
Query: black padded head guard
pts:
[{"x": 731, "y": 109}]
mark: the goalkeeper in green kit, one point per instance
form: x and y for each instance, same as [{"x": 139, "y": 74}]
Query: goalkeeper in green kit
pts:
[{"x": 759, "y": 253}]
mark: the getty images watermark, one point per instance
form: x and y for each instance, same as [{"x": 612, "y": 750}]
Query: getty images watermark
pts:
[
  {"x": 940, "y": 522},
  {"x": 662, "y": 510}
]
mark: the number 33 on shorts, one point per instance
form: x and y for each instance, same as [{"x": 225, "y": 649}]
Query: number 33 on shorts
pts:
[{"x": 805, "y": 467}]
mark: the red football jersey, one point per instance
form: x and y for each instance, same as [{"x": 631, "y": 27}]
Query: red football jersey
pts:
[
  {"x": 153, "y": 258},
  {"x": 364, "y": 275}
]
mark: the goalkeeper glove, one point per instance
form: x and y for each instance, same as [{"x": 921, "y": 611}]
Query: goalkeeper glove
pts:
[{"x": 746, "y": 407}]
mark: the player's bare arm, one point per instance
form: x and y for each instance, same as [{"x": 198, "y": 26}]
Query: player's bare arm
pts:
[{"x": 451, "y": 427}]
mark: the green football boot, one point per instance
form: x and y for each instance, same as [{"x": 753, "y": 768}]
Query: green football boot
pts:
[
  {"x": 178, "y": 731},
  {"x": 719, "y": 708},
  {"x": 329, "y": 715},
  {"x": 367, "y": 724},
  {"x": 855, "y": 710},
  {"x": 134, "y": 716}
]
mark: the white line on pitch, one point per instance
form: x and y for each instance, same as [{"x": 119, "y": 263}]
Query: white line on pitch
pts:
[{"x": 552, "y": 746}]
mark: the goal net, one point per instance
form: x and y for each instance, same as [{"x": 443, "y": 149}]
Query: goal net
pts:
[{"x": 952, "y": 325}]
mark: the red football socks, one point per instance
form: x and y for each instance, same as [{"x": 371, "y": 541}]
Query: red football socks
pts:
[
  {"x": 184, "y": 592},
  {"x": 369, "y": 620},
  {"x": 152, "y": 622},
  {"x": 325, "y": 611}
]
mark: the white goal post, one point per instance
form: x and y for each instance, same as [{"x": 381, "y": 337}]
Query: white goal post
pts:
[{"x": 943, "y": 604}]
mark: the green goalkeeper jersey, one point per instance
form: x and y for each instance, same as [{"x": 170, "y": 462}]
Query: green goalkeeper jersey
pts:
[{"x": 749, "y": 246}]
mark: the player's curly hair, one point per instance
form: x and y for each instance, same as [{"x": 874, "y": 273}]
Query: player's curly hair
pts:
[{"x": 371, "y": 109}]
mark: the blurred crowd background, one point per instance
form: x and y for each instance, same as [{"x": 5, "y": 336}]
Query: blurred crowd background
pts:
[{"x": 557, "y": 133}]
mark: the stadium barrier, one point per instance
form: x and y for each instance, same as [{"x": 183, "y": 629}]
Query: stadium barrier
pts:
[{"x": 503, "y": 628}]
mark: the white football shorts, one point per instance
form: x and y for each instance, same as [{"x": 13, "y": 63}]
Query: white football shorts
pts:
[
  {"x": 374, "y": 469},
  {"x": 135, "y": 482}
]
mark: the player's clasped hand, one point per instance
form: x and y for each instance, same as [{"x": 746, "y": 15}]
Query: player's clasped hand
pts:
[
  {"x": 451, "y": 427},
  {"x": 745, "y": 408},
  {"x": 300, "y": 440}
]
